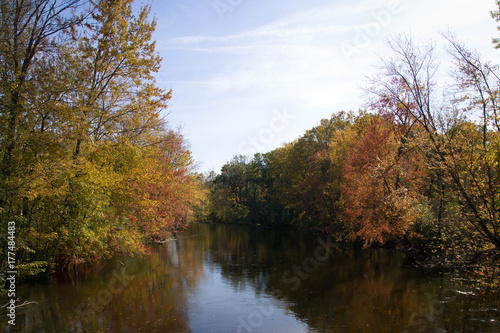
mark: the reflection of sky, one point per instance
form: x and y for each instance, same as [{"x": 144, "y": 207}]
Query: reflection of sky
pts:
[
  {"x": 173, "y": 250},
  {"x": 216, "y": 306},
  {"x": 204, "y": 283}
]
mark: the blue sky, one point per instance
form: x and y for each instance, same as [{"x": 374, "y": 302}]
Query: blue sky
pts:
[{"x": 249, "y": 75}]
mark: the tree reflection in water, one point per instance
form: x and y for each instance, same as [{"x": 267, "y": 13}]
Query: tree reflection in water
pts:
[{"x": 216, "y": 278}]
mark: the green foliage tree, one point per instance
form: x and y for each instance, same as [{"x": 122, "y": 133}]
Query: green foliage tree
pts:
[
  {"x": 32, "y": 33},
  {"x": 88, "y": 166},
  {"x": 295, "y": 185}
]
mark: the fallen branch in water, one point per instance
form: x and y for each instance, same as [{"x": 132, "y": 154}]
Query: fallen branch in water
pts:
[{"x": 20, "y": 305}]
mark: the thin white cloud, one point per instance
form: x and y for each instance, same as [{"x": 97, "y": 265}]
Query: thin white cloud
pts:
[
  {"x": 317, "y": 20},
  {"x": 263, "y": 33}
]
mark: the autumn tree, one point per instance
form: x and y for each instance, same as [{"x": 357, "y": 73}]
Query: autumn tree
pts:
[
  {"x": 115, "y": 105},
  {"x": 461, "y": 133},
  {"x": 496, "y": 16},
  {"x": 383, "y": 182},
  {"x": 319, "y": 193},
  {"x": 29, "y": 36},
  {"x": 294, "y": 185},
  {"x": 156, "y": 195},
  {"x": 89, "y": 167},
  {"x": 32, "y": 34}
]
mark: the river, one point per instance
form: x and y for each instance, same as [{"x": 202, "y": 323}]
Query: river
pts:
[{"x": 216, "y": 278}]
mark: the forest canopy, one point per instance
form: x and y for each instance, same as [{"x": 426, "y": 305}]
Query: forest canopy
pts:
[{"x": 89, "y": 167}]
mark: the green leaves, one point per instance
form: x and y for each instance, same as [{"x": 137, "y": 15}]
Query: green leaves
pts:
[{"x": 88, "y": 167}]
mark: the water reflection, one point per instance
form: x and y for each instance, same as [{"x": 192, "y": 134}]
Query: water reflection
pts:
[
  {"x": 124, "y": 295},
  {"x": 241, "y": 279}
]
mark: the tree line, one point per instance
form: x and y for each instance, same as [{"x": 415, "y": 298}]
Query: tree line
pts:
[
  {"x": 420, "y": 167},
  {"x": 89, "y": 167}
]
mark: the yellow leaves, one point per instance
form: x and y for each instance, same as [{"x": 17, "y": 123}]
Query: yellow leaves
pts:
[
  {"x": 94, "y": 170},
  {"x": 43, "y": 236},
  {"x": 129, "y": 242}
]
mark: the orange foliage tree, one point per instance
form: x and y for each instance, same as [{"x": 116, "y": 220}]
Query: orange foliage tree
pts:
[
  {"x": 383, "y": 181},
  {"x": 158, "y": 194}
]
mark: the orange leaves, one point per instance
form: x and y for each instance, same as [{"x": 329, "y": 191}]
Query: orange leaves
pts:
[
  {"x": 381, "y": 185},
  {"x": 159, "y": 194}
]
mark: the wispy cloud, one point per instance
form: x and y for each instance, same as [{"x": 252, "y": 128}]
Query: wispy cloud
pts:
[
  {"x": 291, "y": 56},
  {"x": 311, "y": 22},
  {"x": 263, "y": 33}
]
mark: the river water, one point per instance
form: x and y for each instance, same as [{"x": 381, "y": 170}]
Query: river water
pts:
[{"x": 215, "y": 278}]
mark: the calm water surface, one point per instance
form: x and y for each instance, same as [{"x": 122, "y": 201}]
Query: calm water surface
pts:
[{"x": 243, "y": 279}]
